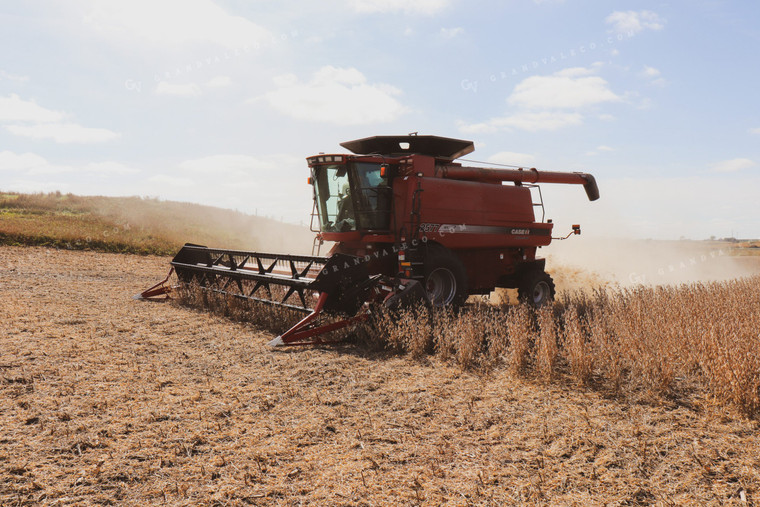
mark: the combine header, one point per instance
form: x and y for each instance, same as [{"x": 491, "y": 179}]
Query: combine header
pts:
[{"x": 409, "y": 224}]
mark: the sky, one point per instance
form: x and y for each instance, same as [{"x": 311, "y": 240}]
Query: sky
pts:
[{"x": 220, "y": 102}]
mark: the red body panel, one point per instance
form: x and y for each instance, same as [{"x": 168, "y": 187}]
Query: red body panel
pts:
[
  {"x": 488, "y": 224},
  {"x": 469, "y": 215}
]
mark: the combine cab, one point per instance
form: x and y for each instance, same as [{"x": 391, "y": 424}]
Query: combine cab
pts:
[{"x": 409, "y": 224}]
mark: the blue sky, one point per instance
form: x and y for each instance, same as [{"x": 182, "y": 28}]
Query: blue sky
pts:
[{"x": 219, "y": 102}]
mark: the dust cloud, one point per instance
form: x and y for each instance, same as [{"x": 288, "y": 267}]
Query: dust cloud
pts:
[
  {"x": 586, "y": 263},
  {"x": 278, "y": 237}
]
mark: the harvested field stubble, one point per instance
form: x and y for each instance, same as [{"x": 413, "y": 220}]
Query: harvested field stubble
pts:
[{"x": 104, "y": 400}]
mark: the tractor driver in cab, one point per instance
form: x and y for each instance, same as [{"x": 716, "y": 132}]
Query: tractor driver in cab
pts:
[{"x": 345, "y": 220}]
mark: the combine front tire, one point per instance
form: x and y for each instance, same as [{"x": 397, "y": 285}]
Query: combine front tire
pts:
[
  {"x": 536, "y": 288},
  {"x": 445, "y": 278}
]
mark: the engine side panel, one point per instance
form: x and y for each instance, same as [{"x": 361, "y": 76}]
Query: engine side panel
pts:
[{"x": 466, "y": 214}]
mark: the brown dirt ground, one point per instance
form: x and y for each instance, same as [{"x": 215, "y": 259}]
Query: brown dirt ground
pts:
[{"x": 106, "y": 400}]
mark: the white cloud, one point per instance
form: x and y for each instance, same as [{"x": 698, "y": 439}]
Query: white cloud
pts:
[
  {"x": 599, "y": 148},
  {"x": 754, "y": 131},
  {"x": 576, "y": 71},
  {"x": 24, "y": 162},
  {"x": 550, "y": 102},
  {"x": 42, "y": 123},
  {"x": 336, "y": 95},
  {"x": 733, "y": 165},
  {"x": 219, "y": 82},
  {"x": 31, "y": 164},
  {"x": 644, "y": 103},
  {"x": 567, "y": 89},
  {"x": 653, "y": 75},
  {"x": 13, "y": 77},
  {"x": 13, "y": 108},
  {"x": 241, "y": 174},
  {"x": 243, "y": 182},
  {"x": 238, "y": 167},
  {"x": 285, "y": 80},
  {"x": 513, "y": 158},
  {"x": 650, "y": 72},
  {"x": 426, "y": 7},
  {"x": 171, "y": 181},
  {"x": 171, "y": 23},
  {"x": 450, "y": 33},
  {"x": 188, "y": 90},
  {"x": 63, "y": 133},
  {"x": 633, "y": 22},
  {"x": 532, "y": 122},
  {"x": 110, "y": 168}
]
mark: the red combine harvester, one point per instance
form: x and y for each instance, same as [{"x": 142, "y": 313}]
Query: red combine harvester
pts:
[{"x": 409, "y": 224}]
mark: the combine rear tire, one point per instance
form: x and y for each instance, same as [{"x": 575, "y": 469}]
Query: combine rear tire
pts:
[
  {"x": 445, "y": 278},
  {"x": 536, "y": 288}
]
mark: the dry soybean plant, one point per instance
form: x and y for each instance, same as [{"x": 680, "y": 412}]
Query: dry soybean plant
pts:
[
  {"x": 577, "y": 346},
  {"x": 649, "y": 341},
  {"x": 645, "y": 340},
  {"x": 269, "y": 317}
]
